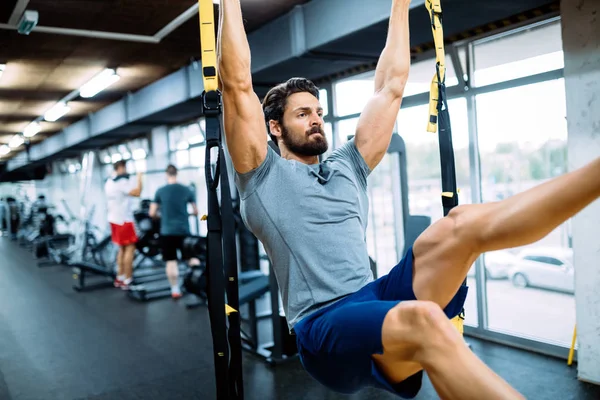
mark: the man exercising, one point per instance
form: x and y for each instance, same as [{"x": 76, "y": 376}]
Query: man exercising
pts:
[
  {"x": 119, "y": 191},
  {"x": 311, "y": 217},
  {"x": 173, "y": 199}
]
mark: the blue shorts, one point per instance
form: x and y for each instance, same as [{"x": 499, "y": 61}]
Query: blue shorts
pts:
[{"x": 335, "y": 343}]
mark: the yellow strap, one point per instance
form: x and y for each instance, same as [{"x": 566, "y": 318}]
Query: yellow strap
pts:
[
  {"x": 458, "y": 323},
  {"x": 229, "y": 309},
  {"x": 208, "y": 44},
  {"x": 435, "y": 9}
]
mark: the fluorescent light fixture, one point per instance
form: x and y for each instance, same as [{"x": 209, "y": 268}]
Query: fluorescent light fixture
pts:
[
  {"x": 116, "y": 157},
  {"x": 72, "y": 168},
  {"x": 56, "y": 112},
  {"x": 4, "y": 150},
  {"x": 126, "y": 156},
  {"x": 2, "y": 68},
  {"x": 16, "y": 141},
  {"x": 99, "y": 83},
  {"x": 107, "y": 159},
  {"x": 32, "y": 129},
  {"x": 139, "y": 154}
]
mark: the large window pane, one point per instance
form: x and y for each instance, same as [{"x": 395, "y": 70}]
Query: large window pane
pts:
[
  {"x": 382, "y": 229},
  {"x": 521, "y": 54},
  {"x": 352, "y": 95},
  {"x": 424, "y": 170},
  {"x": 323, "y": 100},
  {"x": 346, "y": 128},
  {"x": 530, "y": 289}
]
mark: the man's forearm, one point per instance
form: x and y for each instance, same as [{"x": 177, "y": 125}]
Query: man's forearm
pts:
[
  {"x": 233, "y": 47},
  {"x": 394, "y": 62}
]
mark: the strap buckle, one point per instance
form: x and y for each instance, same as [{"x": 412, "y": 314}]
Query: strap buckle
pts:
[{"x": 212, "y": 102}]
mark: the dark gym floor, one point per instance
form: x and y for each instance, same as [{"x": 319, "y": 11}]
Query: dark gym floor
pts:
[{"x": 59, "y": 344}]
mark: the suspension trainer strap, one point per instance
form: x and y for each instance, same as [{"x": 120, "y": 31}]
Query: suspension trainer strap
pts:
[
  {"x": 439, "y": 120},
  {"x": 221, "y": 255}
]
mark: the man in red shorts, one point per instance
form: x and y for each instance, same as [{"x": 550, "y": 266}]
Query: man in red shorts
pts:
[{"x": 119, "y": 192}]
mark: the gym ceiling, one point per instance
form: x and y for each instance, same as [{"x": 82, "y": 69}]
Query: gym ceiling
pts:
[{"x": 152, "y": 43}]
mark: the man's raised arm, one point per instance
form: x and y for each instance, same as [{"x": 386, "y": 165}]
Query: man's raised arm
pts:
[
  {"x": 376, "y": 123},
  {"x": 245, "y": 129}
]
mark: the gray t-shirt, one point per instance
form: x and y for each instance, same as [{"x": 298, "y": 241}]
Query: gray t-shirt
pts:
[
  {"x": 312, "y": 221},
  {"x": 173, "y": 200}
]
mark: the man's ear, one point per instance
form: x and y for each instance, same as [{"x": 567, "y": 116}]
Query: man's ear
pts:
[{"x": 275, "y": 128}]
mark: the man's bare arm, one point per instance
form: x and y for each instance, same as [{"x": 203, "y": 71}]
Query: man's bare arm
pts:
[
  {"x": 245, "y": 129},
  {"x": 153, "y": 212},
  {"x": 137, "y": 191},
  {"x": 376, "y": 123}
]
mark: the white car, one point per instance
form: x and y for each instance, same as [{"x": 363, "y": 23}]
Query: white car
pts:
[
  {"x": 544, "y": 267},
  {"x": 497, "y": 264}
]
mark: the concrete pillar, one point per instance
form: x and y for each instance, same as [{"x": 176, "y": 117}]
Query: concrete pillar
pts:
[{"x": 581, "y": 45}]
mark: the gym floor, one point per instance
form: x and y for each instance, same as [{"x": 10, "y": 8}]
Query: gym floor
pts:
[{"x": 59, "y": 344}]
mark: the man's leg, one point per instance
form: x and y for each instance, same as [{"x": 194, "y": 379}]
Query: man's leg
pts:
[
  {"x": 120, "y": 264},
  {"x": 444, "y": 253},
  {"x": 129, "y": 252},
  {"x": 419, "y": 332},
  {"x": 446, "y": 250}
]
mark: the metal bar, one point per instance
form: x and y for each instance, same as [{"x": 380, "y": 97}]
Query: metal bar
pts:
[
  {"x": 458, "y": 69},
  {"x": 176, "y": 23},
  {"x": 18, "y": 12},
  {"x": 87, "y": 33},
  {"x": 455, "y": 92},
  {"x": 497, "y": 34},
  {"x": 475, "y": 174}
]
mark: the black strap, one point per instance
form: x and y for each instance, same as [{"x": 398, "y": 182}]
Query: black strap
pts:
[
  {"x": 221, "y": 260},
  {"x": 448, "y": 169}
]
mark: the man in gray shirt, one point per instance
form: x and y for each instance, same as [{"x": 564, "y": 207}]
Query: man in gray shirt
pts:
[
  {"x": 172, "y": 201},
  {"x": 311, "y": 217}
]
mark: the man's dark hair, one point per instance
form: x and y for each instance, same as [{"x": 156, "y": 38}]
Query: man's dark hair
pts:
[
  {"x": 276, "y": 99},
  {"x": 172, "y": 170},
  {"x": 119, "y": 164}
]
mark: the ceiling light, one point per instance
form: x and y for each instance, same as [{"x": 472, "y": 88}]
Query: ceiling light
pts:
[
  {"x": 4, "y": 150},
  {"x": 116, "y": 157},
  {"x": 56, "y": 112},
  {"x": 139, "y": 154},
  {"x": 2, "y": 68},
  {"x": 126, "y": 156},
  {"x": 183, "y": 145},
  {"x": 32, "y": 129},
  {"x": 107, "y": 159},
  {"x": 16, "y": 141},
  {"x": 99, "y": 83}
]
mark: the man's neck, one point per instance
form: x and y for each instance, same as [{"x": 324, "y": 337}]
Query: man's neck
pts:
[
  {"x": 309, "y": 160},
  {"x": 171, "y": 181}
]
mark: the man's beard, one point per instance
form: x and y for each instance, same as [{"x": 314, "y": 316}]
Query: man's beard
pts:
[{"x": 308, "y": 147}]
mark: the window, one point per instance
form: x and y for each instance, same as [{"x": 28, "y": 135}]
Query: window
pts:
[
  {"x": 197, "y": 155},
  {"x": 519, "y": 152},
  {"x": 346, "y": 128},
  {"x": 352, "y": 95},
  {"x": 181, "y": 158},
  {"x": 323, "y": 100},
  {"x": 521, "y": 54},
  {"x": 183, "y": 136},
  {"x": 552, "y": 261}
]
